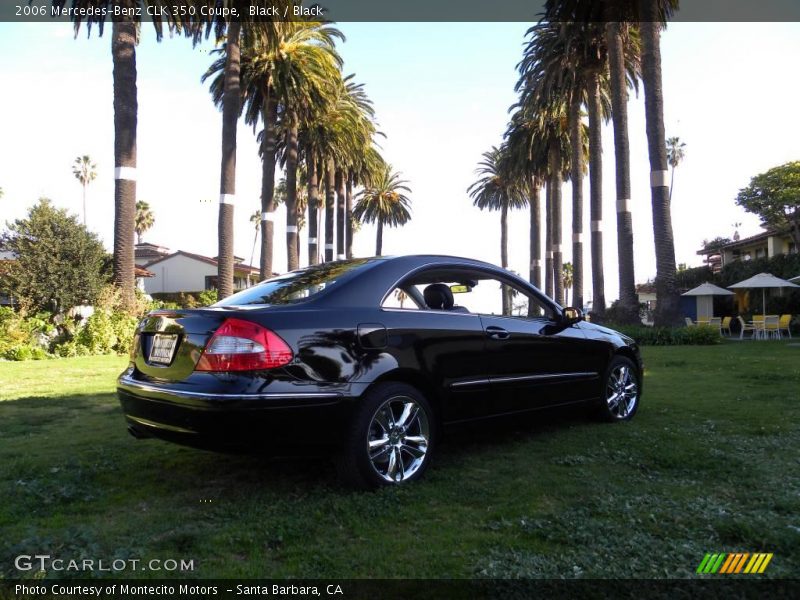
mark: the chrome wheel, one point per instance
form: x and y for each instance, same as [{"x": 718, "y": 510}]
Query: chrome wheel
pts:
[
  {"x": 398, "y": 439},
  {"x": 622, "y": 391}
]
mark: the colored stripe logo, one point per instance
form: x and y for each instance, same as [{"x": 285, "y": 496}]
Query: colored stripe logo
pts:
[{"x": 734, "y": 562}]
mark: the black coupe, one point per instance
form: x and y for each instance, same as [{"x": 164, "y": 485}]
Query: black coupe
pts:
[{"x": 369, "y": 358}]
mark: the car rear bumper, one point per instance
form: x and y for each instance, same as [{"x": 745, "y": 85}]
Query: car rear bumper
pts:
[{"x": 300, "y": 422}]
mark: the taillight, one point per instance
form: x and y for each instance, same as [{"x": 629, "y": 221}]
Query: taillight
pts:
[{"x": 243, "y": 346}]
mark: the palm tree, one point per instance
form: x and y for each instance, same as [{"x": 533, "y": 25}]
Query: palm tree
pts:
[
  {"x": 255, "y": 219},
  {"x": 618, "y": 36},
  {"x": 567, "y": 275},
  {"x": 231, "y": 108},
  {"x": 497, "y": 189},
  {"x": 85, "y": 171},
  {"x": 384, "y": 202},
  {"x": 289, "y": 72},
  {"x": 528, "y": 166},
  {"x": 675, "y": 154},
  {"x": 144, "y": 219},
  {"x": 653, "y": 15}
]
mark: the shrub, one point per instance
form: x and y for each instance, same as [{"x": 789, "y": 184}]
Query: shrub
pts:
[
  {"x": 107, "y": 332},
  {"x": 24, "y": 337},
  {"x": 702, "y": 335},
  {"x": 208, "y": 297},
  {"x": 70, "y": 348}
]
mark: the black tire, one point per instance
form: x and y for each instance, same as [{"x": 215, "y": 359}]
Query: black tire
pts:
[
  {"x": 621, "y": 377},
  {"x": 403, "y": 457}
]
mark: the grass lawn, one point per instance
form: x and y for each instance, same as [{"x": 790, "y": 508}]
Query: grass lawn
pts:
[{"x": 710, "y": 464}]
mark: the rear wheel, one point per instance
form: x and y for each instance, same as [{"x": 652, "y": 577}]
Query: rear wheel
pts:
[
  {"x": 390, "y": 440},
  {"x": 620, "y": 390}
]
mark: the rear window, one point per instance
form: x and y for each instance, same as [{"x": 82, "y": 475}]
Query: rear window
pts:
[{"x": 297, "y": 286}]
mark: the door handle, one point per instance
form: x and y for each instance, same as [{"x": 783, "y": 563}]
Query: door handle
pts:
[{"x": 497, "y": 333}]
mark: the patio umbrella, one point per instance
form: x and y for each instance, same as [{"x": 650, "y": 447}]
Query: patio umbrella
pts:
[
  {"x": 704, "y": 293},
  {"x": 795, "y": 279},
  {"x": 764, "y": 281}
]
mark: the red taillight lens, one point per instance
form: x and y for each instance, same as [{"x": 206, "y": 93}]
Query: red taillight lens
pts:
[{"x": 243, "y": 346}]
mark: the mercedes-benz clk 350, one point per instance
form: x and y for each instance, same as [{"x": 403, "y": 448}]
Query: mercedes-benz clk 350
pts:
[{"x": 370, "y": 360}]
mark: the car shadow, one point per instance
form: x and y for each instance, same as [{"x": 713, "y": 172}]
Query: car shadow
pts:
[{"x": 56, "y": 437}]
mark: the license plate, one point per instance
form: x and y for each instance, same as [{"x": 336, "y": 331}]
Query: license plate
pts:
[{"x": 163, "y": 348}]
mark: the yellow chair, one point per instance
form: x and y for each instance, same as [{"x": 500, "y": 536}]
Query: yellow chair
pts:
[
  {"x": 726, "y": 325},
  {"x": 716, "y": 323},
  {"x": 783, "y": 325},
  {"x": 771, "y": 327}
]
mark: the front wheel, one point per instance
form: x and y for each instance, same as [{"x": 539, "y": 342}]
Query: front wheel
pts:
[
  {"x": 390, "y": 440},
  {"x": 620, "y": 390}
]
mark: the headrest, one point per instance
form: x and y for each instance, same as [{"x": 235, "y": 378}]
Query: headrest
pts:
[{"x": 438, "y": 296}]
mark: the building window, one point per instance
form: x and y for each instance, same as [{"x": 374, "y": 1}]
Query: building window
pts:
[{"x": 211, "y": 282}]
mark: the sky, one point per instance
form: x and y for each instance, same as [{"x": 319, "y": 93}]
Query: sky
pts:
[{"x": 441, "y": 92}]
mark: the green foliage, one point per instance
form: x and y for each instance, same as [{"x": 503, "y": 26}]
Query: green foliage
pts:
[
  {"x": 23, "y": 338},
  {"x": 691, "y": 278},
  {"x": 775, "y": 197},
  {"x": 70, "y": 348},
  {"x": 59, "y": 264},
  {"x": 107, "y": 332},
  {"x": 207, "y": 297},
  {"x": 702, "y": 335},
  {"x": 178, "y": 299}
]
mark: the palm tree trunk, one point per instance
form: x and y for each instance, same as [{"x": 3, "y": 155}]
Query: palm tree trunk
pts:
[
  {"x": 596, "y": 194},
  {"x": 628, "y": 303},
  {"x": 348, "y": 215},
  {"x": 536, "y": 234},
  {"x": 555, "y": 178},
  {"x": 504, "y": 254},
  {"x": 291, "y": 195},
  {"x": 340, "y": 210},
  {"x": 548, "y": 239},
  {"x": 330, "y": 208},
  {"x": 671, "y": 183},
  {"x": 379, "y": 238},
  {"x": 667, "y": 310},
  {"x": 123, "y": 51},
  {"x": 313, "y": 202},
  {"x": 576, "y": 165},
  {"x": 227, "y": 186},
  {"x": 269, "y": 143},
  {"x": 252, "y": 253}
]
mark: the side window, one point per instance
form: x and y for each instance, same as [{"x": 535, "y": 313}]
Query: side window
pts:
[
  {"x": 399, "y": 299},
  {"x": 492, "y": 297},
  {"x": 485, "y": 296}
]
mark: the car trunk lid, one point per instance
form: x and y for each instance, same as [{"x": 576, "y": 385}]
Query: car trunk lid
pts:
[{"x": 169, "y": 342}]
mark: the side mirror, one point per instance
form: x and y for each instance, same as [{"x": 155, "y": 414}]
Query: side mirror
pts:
[{"x": 572, "y": 315}]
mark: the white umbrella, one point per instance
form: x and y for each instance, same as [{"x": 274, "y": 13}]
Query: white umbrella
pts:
[
  {"x": 764, "y": 281},
  {"x": 705, "y": 306},
  {"x": 795, "y": 279}
]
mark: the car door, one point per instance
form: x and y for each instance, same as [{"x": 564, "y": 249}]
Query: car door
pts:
[
  {"x": 535, "y": 359},
  {"x": 449, "y": 349}
]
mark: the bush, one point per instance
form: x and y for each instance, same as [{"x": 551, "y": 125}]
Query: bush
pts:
[
  {"x": 107, "y": 332},
  {"x": 208, "y": 297},
  {"x": 702, "y": 335},
  {"x": 24, "y": 337},
  {"x": 70, "y": 348}
]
